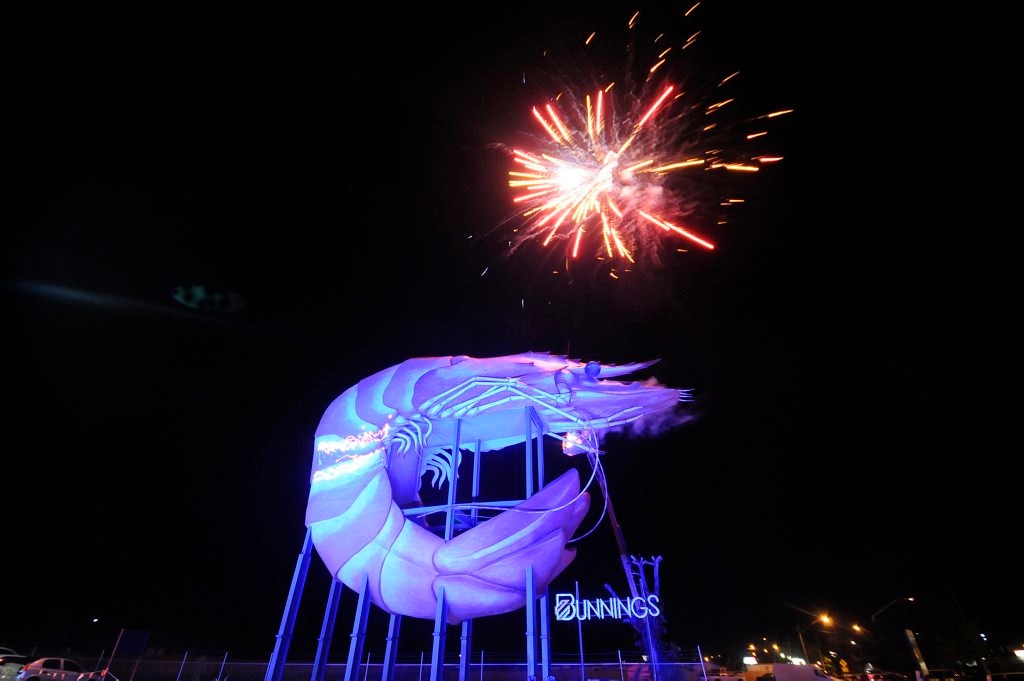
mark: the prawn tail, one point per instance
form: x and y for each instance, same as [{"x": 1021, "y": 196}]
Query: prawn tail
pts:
[{"x": 483, "y": 570}]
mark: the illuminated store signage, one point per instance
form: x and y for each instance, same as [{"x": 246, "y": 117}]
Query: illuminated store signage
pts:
[{"x": 567, "y": 608}]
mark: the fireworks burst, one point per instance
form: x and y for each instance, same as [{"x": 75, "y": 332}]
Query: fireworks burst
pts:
[{"x": 602, "y": 179}]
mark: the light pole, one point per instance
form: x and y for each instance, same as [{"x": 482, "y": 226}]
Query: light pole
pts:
[
  {"x": 824, "y": 619},
  {"x": 889, "y": 604}
]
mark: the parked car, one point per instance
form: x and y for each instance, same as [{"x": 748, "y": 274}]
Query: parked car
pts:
[
  {"x": 11, "y": 664},
  {"x": 50, "y": 669}
]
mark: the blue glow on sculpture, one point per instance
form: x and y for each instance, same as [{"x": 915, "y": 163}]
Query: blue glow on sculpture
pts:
[{"x": 402, "y": 416}]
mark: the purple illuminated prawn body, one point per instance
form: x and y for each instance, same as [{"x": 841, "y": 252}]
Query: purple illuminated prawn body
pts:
[{"x": 369, "y": 459}]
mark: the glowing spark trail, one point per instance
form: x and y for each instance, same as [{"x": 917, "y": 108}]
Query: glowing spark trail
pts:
[
  {"x": 601, "y": 180},
  {"x": 596, "y": 182}
]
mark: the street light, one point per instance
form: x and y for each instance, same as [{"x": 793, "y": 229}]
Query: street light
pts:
[
  {"x": 824, "y": 619},
  {"x": 891, "y": 603}
]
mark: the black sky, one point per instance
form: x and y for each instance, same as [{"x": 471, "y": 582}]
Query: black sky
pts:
[{"x": 338, "y": 169}]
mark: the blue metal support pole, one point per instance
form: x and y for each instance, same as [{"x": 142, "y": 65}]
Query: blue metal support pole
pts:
[
  {"x": 545, "y": 620},
  {"x": 323, "y": 646},
  {"x": 355, "y": 646},
  {"x": 391, "y": 650},
  {"x": 466, "y": 647},
  {"x": 540, "y": 455},
  {"x": 275, "y": 668},
  {"x": 531, "y": 634},
  {"x": 527, "y": 415},
  {"x": 453, "y": 484},
  {"x": 652, "y": 645},
  {"x": 579, "y": 633},
  {"x": 465, "y": 650},
  {"x": 474, "y": 513},
  {"x": 545, "y": 636},
  {"x": 441, "y": 615},
  {"x": 440, "y": 628}
]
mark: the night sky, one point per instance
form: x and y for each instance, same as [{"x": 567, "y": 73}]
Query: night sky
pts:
[{"x": 343, "y": 172}]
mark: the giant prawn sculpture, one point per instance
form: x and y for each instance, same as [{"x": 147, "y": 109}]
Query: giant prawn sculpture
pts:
[{"x": 369, "y": 460}]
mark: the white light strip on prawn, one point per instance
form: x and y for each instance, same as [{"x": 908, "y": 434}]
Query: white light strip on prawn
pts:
[
  {"x": 328, "y": 446},
  {"x": 353, "y": 463}
]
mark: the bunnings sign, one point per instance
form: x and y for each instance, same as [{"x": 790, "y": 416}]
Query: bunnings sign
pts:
[{"x": 568, "y": 607}]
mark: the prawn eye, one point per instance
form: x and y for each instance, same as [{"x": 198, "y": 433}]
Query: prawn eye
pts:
[{"x": 576, "y": 442}]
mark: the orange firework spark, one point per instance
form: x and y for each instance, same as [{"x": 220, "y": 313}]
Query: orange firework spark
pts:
[{"x": 602, "y": 180}]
